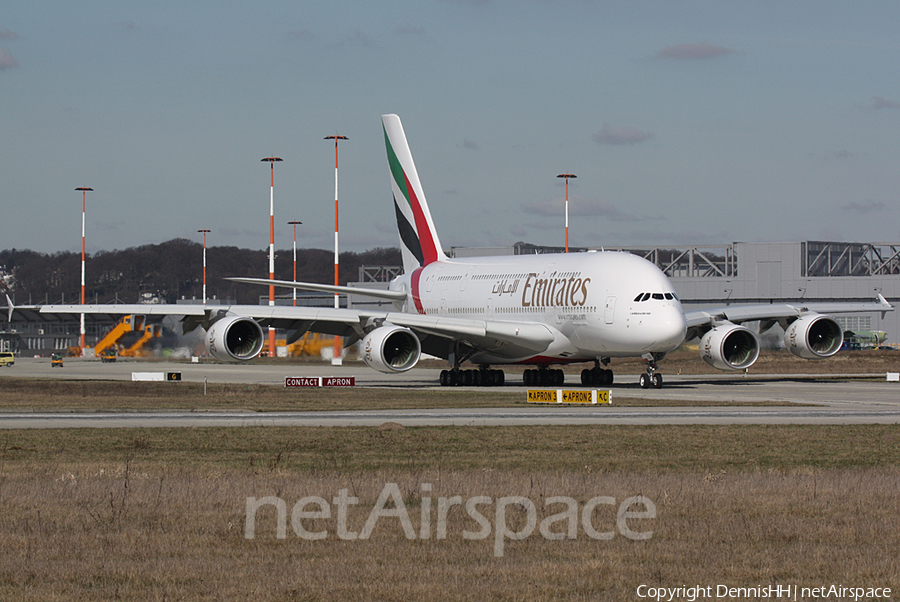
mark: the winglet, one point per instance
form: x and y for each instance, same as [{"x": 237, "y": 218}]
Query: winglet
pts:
[
  {"x": 884, "y": 303},
  {"x": 9, "y": 304}
]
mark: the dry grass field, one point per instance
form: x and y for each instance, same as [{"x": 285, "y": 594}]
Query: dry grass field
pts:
[
  {"x": 159, "y": 514},
  {"x": 62, "y": 395}
]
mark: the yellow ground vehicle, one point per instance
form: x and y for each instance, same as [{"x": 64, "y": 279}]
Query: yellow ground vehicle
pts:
[
  {"x": 112, "y": 342},
  {"x": 56, "y": 360},
  {"x": 7, "y": 359},
  {"x": 310, "y": 344}
]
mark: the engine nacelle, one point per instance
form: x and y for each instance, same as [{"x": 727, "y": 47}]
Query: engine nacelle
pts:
[
  {"x": 234, "y": 338},
  {"x": 814, "y": 337},
  {"x": 729, "y": 347},
  {"x": 391, "y": 349}
]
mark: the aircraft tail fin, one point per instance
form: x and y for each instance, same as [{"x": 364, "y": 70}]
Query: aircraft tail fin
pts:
[{"x": 419, "y": 241}]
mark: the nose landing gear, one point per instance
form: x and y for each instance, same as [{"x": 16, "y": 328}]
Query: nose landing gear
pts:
[{"x": 651, "y": 377}]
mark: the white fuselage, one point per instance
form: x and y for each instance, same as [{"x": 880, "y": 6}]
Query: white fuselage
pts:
[{"x": 591, "y": 302}]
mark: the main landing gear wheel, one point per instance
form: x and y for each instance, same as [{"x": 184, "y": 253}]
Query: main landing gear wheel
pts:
[
  {"x": 596, "y": 376},
  {"x": 483, "y": 377},
  {"x": 543, "y": 377}
]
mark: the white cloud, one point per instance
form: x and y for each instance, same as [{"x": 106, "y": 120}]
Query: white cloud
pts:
[
  {"x": 408, "y": 29},
  {"x": 7, "y": 61},
  {"x": 879, "y": 102},
  {"x": 688, "y": 52},
  {"x": 300, "y": 35},
  {"x": 577, "y": 208},
  {"x": 358, "y": 38},
  {"x": 864, "y": 207},
  {"x": 614, "y": 135}
]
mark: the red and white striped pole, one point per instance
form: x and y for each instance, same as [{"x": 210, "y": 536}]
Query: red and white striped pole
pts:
[
  {"x": 204, "y": 264},
  {"x": 84, "y": 190},
  {"x": 567, "y": 176},
  {"x": 336, "y": 359},
  {"x": 294, "y": 223},
  {"x": 271, "y": 161}
]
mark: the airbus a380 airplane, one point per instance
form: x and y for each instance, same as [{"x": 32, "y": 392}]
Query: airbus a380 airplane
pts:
[{"x": 539, "y": 310}]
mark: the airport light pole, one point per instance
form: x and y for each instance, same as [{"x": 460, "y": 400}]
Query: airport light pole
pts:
[
  {"x": 567, "y": 176},
  {"x": 271, "y": 161},
  {"x": 336, "y": 356},
  {"x": 295, "y": 224},
  {"x": 84, "y": 190},
  {"x": 204, "y": 264}
]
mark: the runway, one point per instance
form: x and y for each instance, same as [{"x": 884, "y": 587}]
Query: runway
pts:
[
  {"x": 708, "y": 399},
  {"x": 543, "y": 416}
]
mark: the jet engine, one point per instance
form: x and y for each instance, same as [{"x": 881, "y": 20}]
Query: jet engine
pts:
[
  {"x": 814, "y": 337},
  {"x": 234, "y": 338},
  {"x": 729, "y": 347},
  {"x": 391, "y": 349}
]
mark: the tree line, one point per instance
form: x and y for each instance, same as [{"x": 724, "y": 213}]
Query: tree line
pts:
[{"x": 172, "y": 269}]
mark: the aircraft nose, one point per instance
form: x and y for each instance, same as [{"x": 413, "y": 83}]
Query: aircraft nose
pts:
[{"x": 672, "y": 327}]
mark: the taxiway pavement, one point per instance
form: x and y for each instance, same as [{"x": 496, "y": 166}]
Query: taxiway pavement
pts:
[{"x": 802, "y": 399}]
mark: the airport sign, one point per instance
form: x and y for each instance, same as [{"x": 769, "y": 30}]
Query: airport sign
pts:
[
  {"x": 582, "y": 396},
  {"x": 319, "y": 381}
]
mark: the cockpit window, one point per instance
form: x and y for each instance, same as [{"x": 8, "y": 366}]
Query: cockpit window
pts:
[{"x": 658, "y": 296}]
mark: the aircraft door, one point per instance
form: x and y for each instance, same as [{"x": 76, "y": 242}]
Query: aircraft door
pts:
[
  {"x": 432, "y": 278},
  {"x": 610, "y": 309}
]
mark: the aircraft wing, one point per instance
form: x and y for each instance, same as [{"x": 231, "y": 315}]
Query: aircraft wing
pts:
[
  {"x": 504, "y": 338},
  {"x": 736, "y": 314},
  {"x": 327, "y": 288},
  {"x": 501, "y": 337},
  {"x": 512, "y": 339},
  {"x": 341, "y": 322},
  {"x": 110, "y": 314},
  {"x": 140, "y": 309}
]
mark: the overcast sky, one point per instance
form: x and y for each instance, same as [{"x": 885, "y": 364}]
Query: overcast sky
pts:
[{"x": 686, "y": 122}]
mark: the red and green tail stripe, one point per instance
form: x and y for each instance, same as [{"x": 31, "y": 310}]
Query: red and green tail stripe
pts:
[{"x": 417, "y": 237}]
